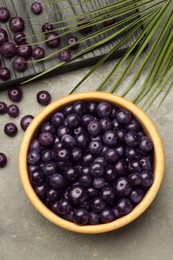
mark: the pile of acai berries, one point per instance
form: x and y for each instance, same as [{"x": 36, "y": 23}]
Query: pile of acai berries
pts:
[{"x": 91, "y": 163}]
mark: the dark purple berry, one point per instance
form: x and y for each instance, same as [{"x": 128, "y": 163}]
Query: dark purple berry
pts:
[
  {"x": 85, "y": 180},
  {"x": 147, "y": 179},
  {"x": 36, "y": 177},
  {"x": 41, "y": 191},
  {"x": 122, "y": 187},
  {"x": 25, "y": 121},
  {"x": 81, "y": 140},
  {"x": 121, "y": 134},
  {"x": 110, "y": 173},
  {"x": 33, "y": 158},
  {"x": 77, "y": 195},
  {"x": 86, "y": 26},
  {"x": 101, "y": 160},
  {"x": 10, "y": 129},
  {"x": 111, "y": 155},
  {"x": 68, "y": 110},
  {"x": 46, "y": 139},
  {"x": 81, "y": 216},
  {"x": 73, "y": 121},
  {"x": 135, "y": 179},
  {"x": 5, "y": 73},
  {"x": 3, "y": 160},
  {"x": 106, "y": 124},
  {"x": 3, "y": 36},
  {"x": 95, "y": 147},
  {"x": 76, "y": 154},
  {"x": 98, "y": 183},
  {"x": 35, "y": 146},
  {"x": 19, "y": 64},
  {"x": 71, "y": 175},
  {"x": 52, "y": 40},
  {"x": 19, "y": 38},
  {"x": 94, "y": 127},
  {"x": 3, "y": 108},
  {"x": 110, "y": 138},
  {"x": 13, "y": 110},
  {"x": 62, "y": 154},
  {"x": 8, "y": 50},
  {"x": 133, "y": 153},
  {"x": 132, "y": 139},
  {"x": 146, "y": 145},
  {"x": 46, "y": 156},
  {"x": 15, "y": 94},
  {"x": 146, "y": 163},
  {"x": 4, "y": 14},
  {"x": 116, "y": 212},
  {"x": 108, "y": 194},
  {"x": 57, "y": 120},
  {"x": 123, "y": 116},
  {"x": 97, "y": 204},
  {"x": 134, "y": 166},
  {"x": 96, "y": 169},
  {"x": 38, "y": 53},
  {"x": 65, "y": 55},
  {"x": 48, "y": 127},
  {"x": 68, "y": 141},
  {"x": 24, "y": 51},
  {"x": 49, "y": 168},
  {"x": 17, "y": 24},
  {"x": 70, "y": 216},
  {"x": 53, "y": 195},
  {"x": 43, "y": 97},
  {"x": 92, "y": 192},
  {"x": 62, "y": 130},
  {"x": 36, "y": 8},
  {"x": 64, "y": 207},
  {"x": 104, "y": 109},
  {"x": 136, "y": 195},
  {"x": 93, "y": 218},
  {"x": 124, "y": 206},
  {"x": 116, "y": 125},
  {"x": 106, "y": 216},
  {"x": 133, "y": 126},
  {"x": 56, "y": 181},
  {"x": 47, "y": 27},
  {"x": 73, "y": 42},
  {"x": 121, "y": 167}
]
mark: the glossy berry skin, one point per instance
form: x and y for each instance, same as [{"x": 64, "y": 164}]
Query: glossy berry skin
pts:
[
  {"x": 49, "y": 168},
  {"x": 41, "y": 191},
  {"x": 46, "y": 139},
  {"x": 46, "y": 156},
  {"x": 121, "y": 151},
  {"x": 3, "y": 160},
  {"x": 17, "y": 24},
  {"x": 43, "y": 97},
  {"x": 121, "y": 134},
  {"x": 91, "y": 108},
  {"x": 3, "y": 36},
  {"x": 5, "y": 73},
  {"x": 24, "y": 51},
  {"x": 93, "y": 218},
  {"x": 124, "y": 206},
  {"x": 72, "y": 121},
  {"x": 73, "y": 42},
  {"x": 111, "y": 156},
  {"x": 68, "y": 110},
  {"x": 94, "y": 128},
  {"x": 110, "y": 173},
  {"x": 4, "y": 14},
  {"x": 121, "y": 167},
  {"x": 3, "y": 108},
  {"x": 109, "y": 138},
  {"x": 64, "y": 55},
  {"x": 62, "y": 154},
  {"x": 36, "y": 8},
  {"x": 123, "y": 116},
  {"x": 136, "y": 195},
  {"x": 8, "y": 50},
  {"x": 56, "y": 181},
  {"x": 101, "y": 160},
  {"x": 38, "y": 53},
  {"x": 146, "y": 163},
  {"x": 132, "y": 139},
  {"x": 97, "y": 204},
  {"x": 133, "y": 153},
  {"x": 106, "y": 124},
  {"x": 106, "y": 216},
  {"x": 25, "y": 121},
  {"x": 96, "y": 169},
  {"x": 146, "y": 145},
  {"x": 133, "y": 126},
  {"x": 53, "y": 195},
  {"x": 81, "y": 140},
  {"x": 108, "y": 194},
  {"x": 135, "y": 179},
  {"x": 98, "y": 183},
  {"x": 77, "y": 195},
  {"x": 52, "y": 40},
  {"x": 33, "y": 158},
  {"x": 85, "y": 180},
  {"x": 10, "y": 129},
  {"x": 147, "y": 179},
  {"x": 15, "y": 94},
  {"x": 13, "y": 110},
  {"x": 57, "y": 120},
  {"x": 134, "y": 166},
  {"x": 95, "y": 147},
  {"x": 19, "y": 64},
  {"x": 47, "y": 27},
  {"x": 35, "y": 146},
  {"x": 64, "y": 207},
  {"x": 48, "y": 127},
  {"x": 68, "y": 141},
  {"x": 76, "y": 154},
  {"x": 122, "y": 187},
  {"x": 36, "y": 177},
  {"x": 104, "y": 109},
  {"x": 62, "y": 130},
  {"x": 71, "y": 175},
  {"x": 19, "y": 38},
  {"x": 81, "y": 216}
]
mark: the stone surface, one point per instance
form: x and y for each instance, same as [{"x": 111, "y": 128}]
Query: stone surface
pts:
[{"x": 26, "y": 235}]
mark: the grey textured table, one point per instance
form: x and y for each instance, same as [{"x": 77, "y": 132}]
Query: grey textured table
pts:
[{"x": 26, "y": 235}]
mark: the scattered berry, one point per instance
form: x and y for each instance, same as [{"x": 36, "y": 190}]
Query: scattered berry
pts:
[
  {"x": 25, "y": 121},
  {"x": 4, "y": 14},
  {"x": 43, "y": 98},
  {"x": 3, "y": 160},
  {"x": 15, "y": 94},
  {"x": 10, "y": 129},
  {"x": 17, "y": 24},
  {"x": 13, "y": 110},
  {"x": 5, "y": 73},
  {"x": 36, "y": 8},
  {"x": 3, "y": 108}
]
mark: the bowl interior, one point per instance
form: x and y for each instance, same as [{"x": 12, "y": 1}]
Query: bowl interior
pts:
[{"x": 149, "y": 129}]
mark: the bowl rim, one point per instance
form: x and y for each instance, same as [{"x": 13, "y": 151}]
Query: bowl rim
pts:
[{"x": 149, "y": 129}]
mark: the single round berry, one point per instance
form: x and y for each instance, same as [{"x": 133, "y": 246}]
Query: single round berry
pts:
[
  {"x": 15, "y": 94},
  {"x": 70, "y": 216},
  {"x": 36, "y": 8},
  {"x": 25, "y": 121},
  {"x": 3, "y": 36},
  {"x": 33, "y": 158},
  {"x": 68, "y": 141},
  {"x": 110, "y": 138},
  {"x": 124, "y": 206},
  {"x": 111, "y": 155},
  {"x": 85, "y": 180},
  {"x": 92, "y": 192},
  {"x": 136, "y": 195},
  {"x": 146, "y": 145},
  {"x": 36, "y": 177},
  {"x": 47, "y": 27},
  {"x": 104, "y": 109},
  {"x": 3, "y": 108},
  {"x": 95, "y": 147},
  {"x": 73, "y": 42},
  {"x": 5, "y": 73},
  {"x": 123, "y": 116},
  {"x": 98, "y": 183},
  {"x": 46, "y": 156},
  {"x": 79, "y": 108},
  {"x": 71, "y": 174},
  {"x": 62, "y": 130},
  {"x": 133, "y": 126},
  {"x": 49, "y": 168},
  {"x": 52, "y": 40},
  {"x": 94, "y": 127},
  {"x": 106, "y": 124},
  {"x": 24, "y": 51},
  {"x": 146, "y": 163},
  {"x": 64, "y": 207},
  {"x": 108, "y": 194},
  {"x": 46, "y": 139},
  {"x": 17, "y": 24},
  {"x": 19, "y": 64},
  {"x": 73, "y": 121},
  {"x": 134, "y": 166},
  {"x": 68, "y": 110},
  {"x": 86, "y": 28},
  {"x": 35, "y": 146},
  {"x": 53, "y": 195},
  {"x": 97, "y": 204},
  {"x": 43, "y": 97},
  {"x": 8, "y": 50},
  {"x": 106, "y": 216},
  {"x": 81, "y": 140},
  {"x": 122, "y": 187},
  {"x": 77, "y": 195},
  {"x": 93, "y": 218},
  {"x": 81, "y": 216},
  {"x": 56, "y": 181},
  {"x": 121, "y": 167},
  {"x": 86, "y": 119},
  {"x": 64, "y": 55},
  {"x": 133, "y": 153},
  {"x": 38, "y": 53},
  {"x": 62, "y": 154},
  {"x": 3, "y": 160},
  {"x": 76, "y": 154},
  {"x": 132, "y": 139},
  {"x": 10, "y": 129},
  {"x": 147, "y": 179},
  {"x": 13, "y": 110},
  {"x": 96, "y": 169},
  {"x": 135, "y": 179},
  {"x": 116, "y": 125},
  {"x": 121, "y": 134},
  {"x": 41, "y": 191},
  {"x": 48, "y": 127},
  {"x": 110, "y": 173},
  {"x": 19, "y": 38},
  {"x": 57, "y": 120},
  {"x": 91, "y": 108},
  {"x": 4, "y": 14}
]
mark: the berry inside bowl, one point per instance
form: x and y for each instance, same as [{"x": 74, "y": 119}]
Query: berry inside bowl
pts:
[{"x": 103, "y": 179}]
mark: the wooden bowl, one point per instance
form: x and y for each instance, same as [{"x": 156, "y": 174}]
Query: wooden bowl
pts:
[{"x": 149, "y": 129}]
